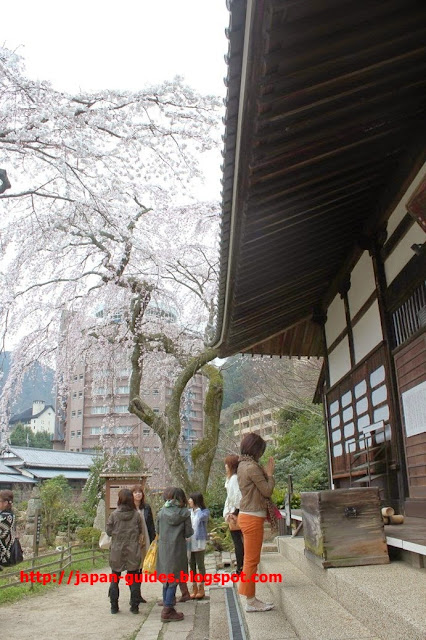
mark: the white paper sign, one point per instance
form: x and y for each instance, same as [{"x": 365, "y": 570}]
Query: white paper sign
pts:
[{"x": 414, "y": 403}]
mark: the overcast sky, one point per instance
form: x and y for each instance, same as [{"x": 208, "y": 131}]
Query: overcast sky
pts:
[{"x": 94, "y": 44}]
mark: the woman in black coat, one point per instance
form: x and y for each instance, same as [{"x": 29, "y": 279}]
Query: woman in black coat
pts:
[
  {"x": 7, "y": 526},
  {"x": 145, "y": 509},
  {"x": 145, "y": 512}
]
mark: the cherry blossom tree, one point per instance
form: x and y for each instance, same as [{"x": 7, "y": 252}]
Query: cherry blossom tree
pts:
[{"x": 103, "y": 221}]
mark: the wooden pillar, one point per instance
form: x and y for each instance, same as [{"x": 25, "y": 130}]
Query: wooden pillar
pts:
[{"x": 381, "y": 288}]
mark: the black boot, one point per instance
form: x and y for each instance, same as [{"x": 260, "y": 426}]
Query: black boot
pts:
[
  {"x": 135, "y": 595},
  {"x": 113, "y": 596}
]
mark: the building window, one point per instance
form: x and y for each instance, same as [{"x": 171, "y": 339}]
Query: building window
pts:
[
  {"x": 124, "y": 389},
  {"x": 146, "y": 449},
  {"x": 156, "y": 410},
  {"x": 95, "y": 431},
  {"x": 73, "y": 414},
  {"x": 79, "y": 413},
  {"x": 81, "y": 376},
  {"x": 121, "y": 408},
  {"x": 94, "y": 410},
  {"x": 78, "y": 434},
  {"x": 72, "y": 434},
  {"x": 156, "y": 449},
  {"x": 75, "y": 378},
  {"x": 123, "y": 429},
  {"x": 80, "y": 394},
  {"x": 156, "y": 471},
  {"x": 155, "y": 392},
  {"x": 74, "y": 395},
  {"x": 146, "y": 431}
]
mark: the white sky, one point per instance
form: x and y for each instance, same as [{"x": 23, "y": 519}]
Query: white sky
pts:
[{"x": 126, "y": 44}]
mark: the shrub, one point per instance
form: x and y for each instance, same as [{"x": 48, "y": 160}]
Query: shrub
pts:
[
  {"x": 85, "y": 535},
  {"x": 75, "y": 518}
]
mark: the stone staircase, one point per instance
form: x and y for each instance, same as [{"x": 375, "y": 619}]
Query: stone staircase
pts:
[{"x": 380, "y": 602}]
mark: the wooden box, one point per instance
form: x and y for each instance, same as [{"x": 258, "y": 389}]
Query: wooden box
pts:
[{"x": 344, "y": 527}]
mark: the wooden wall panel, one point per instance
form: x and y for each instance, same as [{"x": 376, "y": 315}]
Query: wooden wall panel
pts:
[{"x": 410, "y": 363}]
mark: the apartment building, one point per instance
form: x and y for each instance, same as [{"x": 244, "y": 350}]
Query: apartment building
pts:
[
  {"x": 255, "y": 417},
  {"x": 97, "y": 415}
]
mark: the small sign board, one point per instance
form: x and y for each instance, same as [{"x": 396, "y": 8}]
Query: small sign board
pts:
[
  {"x": 114, "y": 482},
  {"x": 37, "y": 531}
]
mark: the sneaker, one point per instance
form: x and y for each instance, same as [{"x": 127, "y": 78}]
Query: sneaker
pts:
[
  {"x": 258, "y": 605},
  {"x": 270, "y": 604}
]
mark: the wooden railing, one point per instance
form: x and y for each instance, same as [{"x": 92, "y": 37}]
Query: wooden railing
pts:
[{"x": 63, "y": 559}]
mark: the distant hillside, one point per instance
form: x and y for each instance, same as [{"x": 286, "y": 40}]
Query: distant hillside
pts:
[{"x": 37, "y": 385}]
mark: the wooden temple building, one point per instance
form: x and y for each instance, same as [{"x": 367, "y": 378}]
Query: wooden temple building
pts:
[{"x": 323, "y": 248}]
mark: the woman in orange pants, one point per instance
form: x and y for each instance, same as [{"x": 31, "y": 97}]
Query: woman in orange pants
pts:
[{"x": 256, "y": 485}]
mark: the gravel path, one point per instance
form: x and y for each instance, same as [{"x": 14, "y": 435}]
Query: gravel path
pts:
[{"x": 80, "y": 612}]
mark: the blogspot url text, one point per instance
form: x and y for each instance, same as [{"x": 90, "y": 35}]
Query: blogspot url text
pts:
[{"x": 76, "y": 577}]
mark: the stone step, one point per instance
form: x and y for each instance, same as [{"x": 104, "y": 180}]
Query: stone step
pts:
[
  {"x": 310, "y": 611},
  {"x": 387, "y": 599},
  {"x": 218, "y": 623}
]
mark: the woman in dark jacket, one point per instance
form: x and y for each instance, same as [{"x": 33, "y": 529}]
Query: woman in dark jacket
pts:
[
  {"x": 7, "y": 526},
  {"x": 174, "y": 528},
  {"x": 125, "y": 526},
  {"x": 145, "y": 512}
]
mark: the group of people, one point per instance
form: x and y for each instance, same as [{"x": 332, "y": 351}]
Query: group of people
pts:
[{"x": 182, "y": 532}]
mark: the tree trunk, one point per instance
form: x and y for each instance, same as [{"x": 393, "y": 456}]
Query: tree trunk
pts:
[{"x": 168, "y": 427}]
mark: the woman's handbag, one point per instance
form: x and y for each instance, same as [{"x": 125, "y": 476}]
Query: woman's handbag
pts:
[
  {"x": 104, "y": 541},
  {"x": 273, "y": 514},
  {"x": 150, "y": 562},
  {"x": 233, "y": 522},
  {"x": 16, "y": 553}
]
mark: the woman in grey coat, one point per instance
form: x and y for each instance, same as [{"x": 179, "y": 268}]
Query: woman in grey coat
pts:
[
  {"x": 125, "y": 526},
  {"x": 174, "y": 528}
]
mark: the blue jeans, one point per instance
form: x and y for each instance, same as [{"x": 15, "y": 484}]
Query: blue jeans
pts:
[{"x": 169, "y": 593}]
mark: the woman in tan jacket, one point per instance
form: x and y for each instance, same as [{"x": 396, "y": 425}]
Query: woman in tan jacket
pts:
[{"x": 256, "y": 485}]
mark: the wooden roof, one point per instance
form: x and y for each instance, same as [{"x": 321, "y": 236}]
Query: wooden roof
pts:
[{"x": 324, "y": 129}]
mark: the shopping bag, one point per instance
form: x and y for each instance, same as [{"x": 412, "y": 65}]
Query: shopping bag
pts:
[
  {"x": 150, "y": 562},
  {"x": 104, "y": 541}
]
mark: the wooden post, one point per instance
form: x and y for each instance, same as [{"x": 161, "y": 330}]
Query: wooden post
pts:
[{"x": 288, "y": 499}]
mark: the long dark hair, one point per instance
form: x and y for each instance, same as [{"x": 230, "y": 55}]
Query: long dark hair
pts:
[
  {"x": 138, "y": 487},
  {"x": 125, "y": 498},
  {"x": 197, "y": 499},
  {"x": 175, "y": 493}
]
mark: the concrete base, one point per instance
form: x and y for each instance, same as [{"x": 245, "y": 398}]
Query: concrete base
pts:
[{"x": 386, "y": 599}]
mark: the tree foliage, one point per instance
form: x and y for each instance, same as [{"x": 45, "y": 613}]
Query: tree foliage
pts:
[
  {"x": 102, "y": 224},
  {"x": 23, "y": 436},
  {"x": 55, "y": 496},
  {"x": 301, "y": 449}
]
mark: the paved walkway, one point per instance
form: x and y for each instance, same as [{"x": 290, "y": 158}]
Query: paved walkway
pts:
[{"x": 83, "y": 612}]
